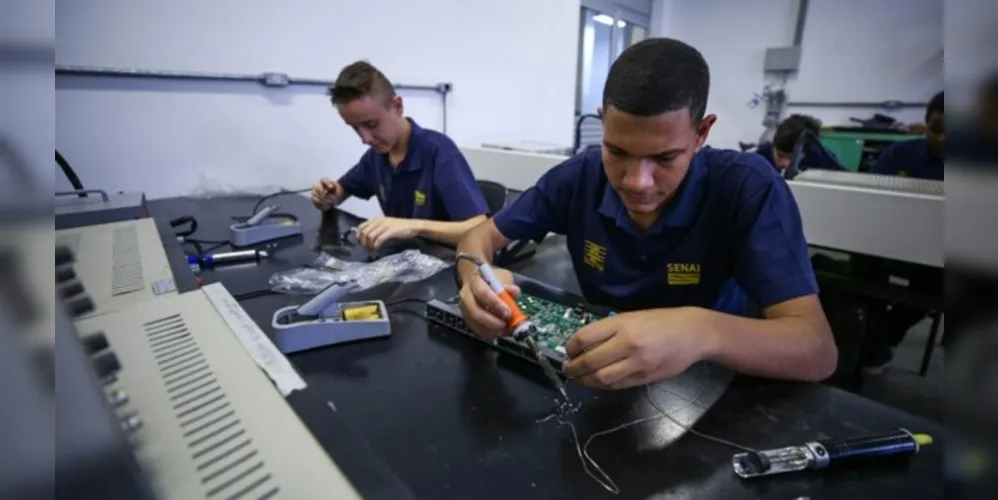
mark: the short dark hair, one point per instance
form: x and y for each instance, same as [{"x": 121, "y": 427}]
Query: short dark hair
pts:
[
  {"x": 935, "y": 106},
  {"x": 360, "y": 79},
  {"x": 789, "y": 131},
  {"x": 658, "y": 75}
]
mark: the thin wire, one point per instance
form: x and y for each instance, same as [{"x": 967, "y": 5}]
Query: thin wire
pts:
[
  {"x": 588, "y": 462},
  {"x": 690, "y": 428}
]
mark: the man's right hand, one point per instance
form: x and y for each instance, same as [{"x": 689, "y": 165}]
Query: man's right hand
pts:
[
  {"x": 326, "y": 193},
  {"x": 483, "y": 310}
]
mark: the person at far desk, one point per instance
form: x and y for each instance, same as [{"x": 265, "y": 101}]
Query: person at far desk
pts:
[
  {"x": 920, "y": 158},
  {"x": 780, "y": 151},
  {"x": 423, "y": 183},
  {"x": 677, "y": 235}
]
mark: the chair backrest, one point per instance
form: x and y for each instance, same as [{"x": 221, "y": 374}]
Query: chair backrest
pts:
[{"x": 495, "y": 195}]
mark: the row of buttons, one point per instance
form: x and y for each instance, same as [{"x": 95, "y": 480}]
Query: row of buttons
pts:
[
  {"x": 69, "y": 287},
  {"x": 96, "y": 346},
  {"x": 107, "y": 366}
]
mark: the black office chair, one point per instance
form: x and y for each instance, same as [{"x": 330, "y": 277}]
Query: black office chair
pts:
[{"x": 496, "y": 196}]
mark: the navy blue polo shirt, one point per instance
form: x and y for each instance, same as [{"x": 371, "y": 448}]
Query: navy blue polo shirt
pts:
[
  {"x": 814, "y": 157},
  {"x": 912, "y": 158},
  {"x": 433, "y": 182},
  {"x": 729, "y": 239}
]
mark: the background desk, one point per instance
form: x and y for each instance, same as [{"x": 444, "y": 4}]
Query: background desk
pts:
[{"x": 452, "y": 419}]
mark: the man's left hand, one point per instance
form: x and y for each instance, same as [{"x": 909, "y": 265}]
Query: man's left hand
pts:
[
  {"x": 375, "y": 232},
  {"x": 636, "y": 348}
]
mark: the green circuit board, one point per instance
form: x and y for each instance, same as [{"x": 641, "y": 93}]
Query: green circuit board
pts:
[{"x": 555, "y": 323}]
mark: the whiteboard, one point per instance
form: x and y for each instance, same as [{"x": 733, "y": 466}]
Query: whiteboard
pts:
[{"x": 863, "y": 51}]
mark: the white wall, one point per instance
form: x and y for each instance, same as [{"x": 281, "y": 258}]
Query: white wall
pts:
[
  {"x": 853, "y": 50},
  {"x": 512, "y": 64}
]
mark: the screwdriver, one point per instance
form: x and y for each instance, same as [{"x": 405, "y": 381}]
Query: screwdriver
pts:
[
  {"x": 520, "y": 326},
  {"x": 821, "y": 454}
]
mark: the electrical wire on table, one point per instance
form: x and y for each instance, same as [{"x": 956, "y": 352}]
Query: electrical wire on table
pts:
[{"x": 589, "y": 464}]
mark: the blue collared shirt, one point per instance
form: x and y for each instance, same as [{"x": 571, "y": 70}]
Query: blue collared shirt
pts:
[
  {"x": 730, "y": 239},
  {"x": 814, "y": 157},
  {"x": 433, "y": 182},
  {"x": 912, "y": 158}
]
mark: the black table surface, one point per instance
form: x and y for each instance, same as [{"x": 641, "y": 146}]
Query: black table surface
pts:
[{"x": 443, "y": 416}]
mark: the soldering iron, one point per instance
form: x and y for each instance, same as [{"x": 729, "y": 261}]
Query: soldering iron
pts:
[{"x": 522, "y": 329}]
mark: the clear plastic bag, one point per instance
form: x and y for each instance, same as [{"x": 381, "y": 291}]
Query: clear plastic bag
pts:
[
  {"x": 403, "y": 267},
  {"x": 212, "y": 186}
]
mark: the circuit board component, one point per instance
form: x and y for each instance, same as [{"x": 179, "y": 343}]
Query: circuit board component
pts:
[{"x": 555, "y": 323}]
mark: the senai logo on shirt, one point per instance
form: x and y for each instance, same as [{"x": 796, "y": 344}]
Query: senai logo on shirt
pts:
[
  {"x": 593, "y": 255},
  {"x": 420, "y": 198},
  {"x": 683, "y": 274}
]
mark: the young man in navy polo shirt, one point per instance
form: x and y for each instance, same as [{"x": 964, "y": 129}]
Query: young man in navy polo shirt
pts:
[
  {"x": 920, "y": 158},
  {"x": 781, "y": 149},
  {"x": 673, "y": 233},
  {"x": 422, "y": 181}
]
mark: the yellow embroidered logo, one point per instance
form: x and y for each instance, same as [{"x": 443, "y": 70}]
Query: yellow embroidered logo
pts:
[
  {"x": 902, "y": 173},
  {"x": 420, "y": 198},
  {"x": 593, "y": 255},
  {"x": 382, "y": 190},
  {"x": 683, "y": 274}
]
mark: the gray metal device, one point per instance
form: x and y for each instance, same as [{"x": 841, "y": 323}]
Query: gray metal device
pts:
[
  {"x": 883, "y": 216},
  {"x": 782, "y": 59},
  {"x": 71, "y": 210},
  {"x": 263, "y": 227},
  {"x": 203, "y": 419},
  {"x": 325, "y": 321},
  {"x": 118, "y": 265}
]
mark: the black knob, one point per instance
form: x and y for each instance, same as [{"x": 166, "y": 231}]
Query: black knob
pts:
[
  {"x": 64, "y": 273},
  {"x": 94, "y": 343},
  {"x": 80, "y": 305},
  {"x": 63, "y": 255},
  {"x": 106, "y": 365},
  {"x": 71, "y": 289}
]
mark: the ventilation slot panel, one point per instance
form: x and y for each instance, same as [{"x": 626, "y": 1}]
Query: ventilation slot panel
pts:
[
  {"x": 126, "y": 262},
  {"x": 228, "y": 464}
]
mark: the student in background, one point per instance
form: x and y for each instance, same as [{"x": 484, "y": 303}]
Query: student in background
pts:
[
  {"x": 920, "y": 158},
  {"x": 780, "y": 151},
  {"x": 422, "y": 181}
]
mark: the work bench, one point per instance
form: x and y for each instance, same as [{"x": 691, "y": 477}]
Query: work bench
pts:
[{"x": 432, "y": 414}]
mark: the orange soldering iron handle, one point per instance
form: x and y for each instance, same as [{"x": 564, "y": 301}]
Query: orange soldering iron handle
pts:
[{"x": 516, "y": 316}]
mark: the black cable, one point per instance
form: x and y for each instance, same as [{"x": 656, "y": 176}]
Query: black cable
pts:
[
  {"x": 254, "y": 294},
  {"x": 200, "y": 251},
  {"x": 69, "y": 173},
  {"x": 187, "y": 219},
  {"x": 404, "y": 300}
]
